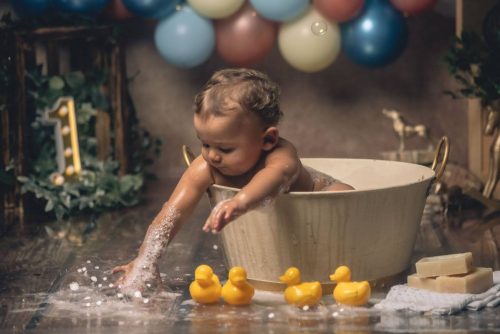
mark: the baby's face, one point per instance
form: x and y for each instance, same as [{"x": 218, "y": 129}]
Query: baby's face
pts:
[{"x": 231, "y": 143}]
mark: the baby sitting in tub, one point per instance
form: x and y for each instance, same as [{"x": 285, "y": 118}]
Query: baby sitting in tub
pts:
[{"x": 236, "y": 117}]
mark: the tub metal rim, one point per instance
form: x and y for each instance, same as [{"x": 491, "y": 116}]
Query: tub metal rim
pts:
[{"x": 424, "y": 179}]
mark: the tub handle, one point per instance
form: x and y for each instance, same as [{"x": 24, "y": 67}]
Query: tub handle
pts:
[
  {"x": 446, "y": 143},
  {"x": 187, "y": 154}
]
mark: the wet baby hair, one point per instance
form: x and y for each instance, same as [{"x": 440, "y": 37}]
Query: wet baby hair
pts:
[{"x": 252, "y": 90}]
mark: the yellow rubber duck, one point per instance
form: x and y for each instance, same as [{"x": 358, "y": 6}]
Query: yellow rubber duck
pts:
[
  {"x": 206, "y": 287},
  {"x": 347, "y": 292},
  {"x": 237, "y": 291},
  {"x": 300, "y": 294}
]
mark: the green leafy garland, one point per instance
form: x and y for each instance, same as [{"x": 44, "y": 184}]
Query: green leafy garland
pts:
[{"x": 98, "y": 188}]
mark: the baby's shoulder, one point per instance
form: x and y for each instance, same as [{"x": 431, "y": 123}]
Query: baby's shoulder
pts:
[
  {"x": 200, "y": 171},
  {"x": 284, "y": 153},
  {"x": 284, "y": 149}
]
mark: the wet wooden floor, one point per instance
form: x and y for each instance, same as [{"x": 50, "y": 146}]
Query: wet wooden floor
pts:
[{"x": 59, "y": 281}]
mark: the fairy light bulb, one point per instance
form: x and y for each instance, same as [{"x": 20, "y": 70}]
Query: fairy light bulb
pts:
[
  {"x": 57, "y": 179},
  {"x": 68, "y": 152},
  {"x": 65, "y": 130},
  {"x": 63, "y": 111},
  {"x": 70, "y": 170}
]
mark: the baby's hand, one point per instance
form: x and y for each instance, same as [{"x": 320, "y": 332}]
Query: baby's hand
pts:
[
  {"x": 135, "y": 278},
  {"x": 223, "y": 213}
]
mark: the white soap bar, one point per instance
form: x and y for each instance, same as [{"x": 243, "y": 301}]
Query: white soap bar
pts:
[
  {"x": 476, "y": 281},
  {"x": 452, "y": 264}
]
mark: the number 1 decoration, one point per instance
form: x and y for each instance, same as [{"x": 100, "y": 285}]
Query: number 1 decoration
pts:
[{"x": 62, "y": 116}]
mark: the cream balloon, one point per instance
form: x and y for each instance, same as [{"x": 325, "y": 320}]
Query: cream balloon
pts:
[
  {"x": 309, "y": 43},
  {"x": 216, "y": 9}
]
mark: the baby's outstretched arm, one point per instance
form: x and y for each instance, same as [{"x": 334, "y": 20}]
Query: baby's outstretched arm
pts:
[
  {"x": 187, "y": 193},
  {"x": 281, "y": 169}
]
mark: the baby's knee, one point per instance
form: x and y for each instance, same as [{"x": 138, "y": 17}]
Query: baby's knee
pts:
[{"x": 338, "y": 186}]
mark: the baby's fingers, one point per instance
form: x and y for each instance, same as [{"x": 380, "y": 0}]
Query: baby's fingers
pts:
[{"x": 206, "y": 227}]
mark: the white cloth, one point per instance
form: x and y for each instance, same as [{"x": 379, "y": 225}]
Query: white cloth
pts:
[{"x": 403, "y": 297}]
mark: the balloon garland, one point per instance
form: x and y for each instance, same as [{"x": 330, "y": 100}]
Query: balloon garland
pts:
[{"x": 310, "y": 33}]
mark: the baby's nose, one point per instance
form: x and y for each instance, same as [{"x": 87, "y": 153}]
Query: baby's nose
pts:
[{"x": 214, "y": 156}]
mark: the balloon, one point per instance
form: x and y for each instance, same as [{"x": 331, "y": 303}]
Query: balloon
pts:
[
  {"x": 491, "y": 29},
  {"x": 413, "y": 6},
  {"x": 339, "y": 10},
  {"x": 280, "y": 10},
  {"x": 185, "y": 39},
  {"x": 216, "y": 9},
  {"x": 244, "y": 38},
  {"x": 81, "y": 6},
  {"x": 310, "y": 43},
  {"x": 153, "y": 9},
  {"x": 377, "y": 36},
  {"x": 25, "y": 8},
  {"x": 117, "y": 10}
]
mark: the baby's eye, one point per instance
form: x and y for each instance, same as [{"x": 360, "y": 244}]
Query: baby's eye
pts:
[
  {"x": 226, "y": 150},
  {"x": 205, "y": 145}
]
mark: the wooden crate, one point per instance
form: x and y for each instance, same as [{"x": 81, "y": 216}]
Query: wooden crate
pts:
[{"x": 59, "y": 50}]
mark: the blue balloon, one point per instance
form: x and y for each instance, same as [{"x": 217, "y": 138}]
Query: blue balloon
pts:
[
  {"x": 185, "y": 39},
  {"x": 152, "y": 9},
  {"x": 377, "y": 36},
  {"x": 81, "y": 6},
  {"x": 280, "y": 10},
  {"x": 25, "y": 8}
]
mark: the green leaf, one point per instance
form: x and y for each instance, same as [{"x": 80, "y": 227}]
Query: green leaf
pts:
[
  {"x": 56, "y": 83},
  {"x": 75, "y": 80},
  {"x": 49, "y": 206},
  {"x": 22, "y": 179}
]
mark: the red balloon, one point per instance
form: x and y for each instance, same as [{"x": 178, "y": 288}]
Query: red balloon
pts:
[
  {"x": 117, "y": 10},
  {"x": 244, "y": 38},
  {"x": 412, "y": 7},
  {"x": 339, "y": 10}
]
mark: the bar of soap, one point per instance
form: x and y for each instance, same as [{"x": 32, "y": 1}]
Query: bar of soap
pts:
[
  {"x": 452, "y": 264},
  {"x": 476, "y": 281},
  {"x": 426, "y": 283}
]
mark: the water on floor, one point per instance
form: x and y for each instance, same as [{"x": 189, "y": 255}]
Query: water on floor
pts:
[{"x": 52, "y": 283}]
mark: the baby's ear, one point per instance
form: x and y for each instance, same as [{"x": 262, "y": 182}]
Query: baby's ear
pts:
[{"x": 271, "y": 137}]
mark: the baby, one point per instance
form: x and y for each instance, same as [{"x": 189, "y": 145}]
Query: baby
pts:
[{"x": 236, "y": 117}]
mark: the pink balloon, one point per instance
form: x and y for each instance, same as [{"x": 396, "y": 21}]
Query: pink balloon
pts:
[
  {"x": 412, "y": 7},
  {"x": 244, "y": 38},
  {"x": 117, "y": 10},
  {"x": 339, "y": 10}
]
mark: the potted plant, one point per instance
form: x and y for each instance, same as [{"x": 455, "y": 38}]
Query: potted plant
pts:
[{"x": 473, "y": 61}]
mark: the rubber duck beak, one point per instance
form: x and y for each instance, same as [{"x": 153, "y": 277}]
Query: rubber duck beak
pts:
[
  {"x": 283, "y": 279},
  {"x": 334, "y": 277}
]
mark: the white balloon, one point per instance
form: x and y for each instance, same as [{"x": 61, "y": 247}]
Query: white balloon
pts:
[
  {"x": 309, "y": 43},
  {"x": 216, "y": 9}
]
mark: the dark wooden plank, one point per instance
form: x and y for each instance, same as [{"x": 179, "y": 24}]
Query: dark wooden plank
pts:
[
  {"x": 117, "y": 88},
  {"x": 27, "y": 271}
]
